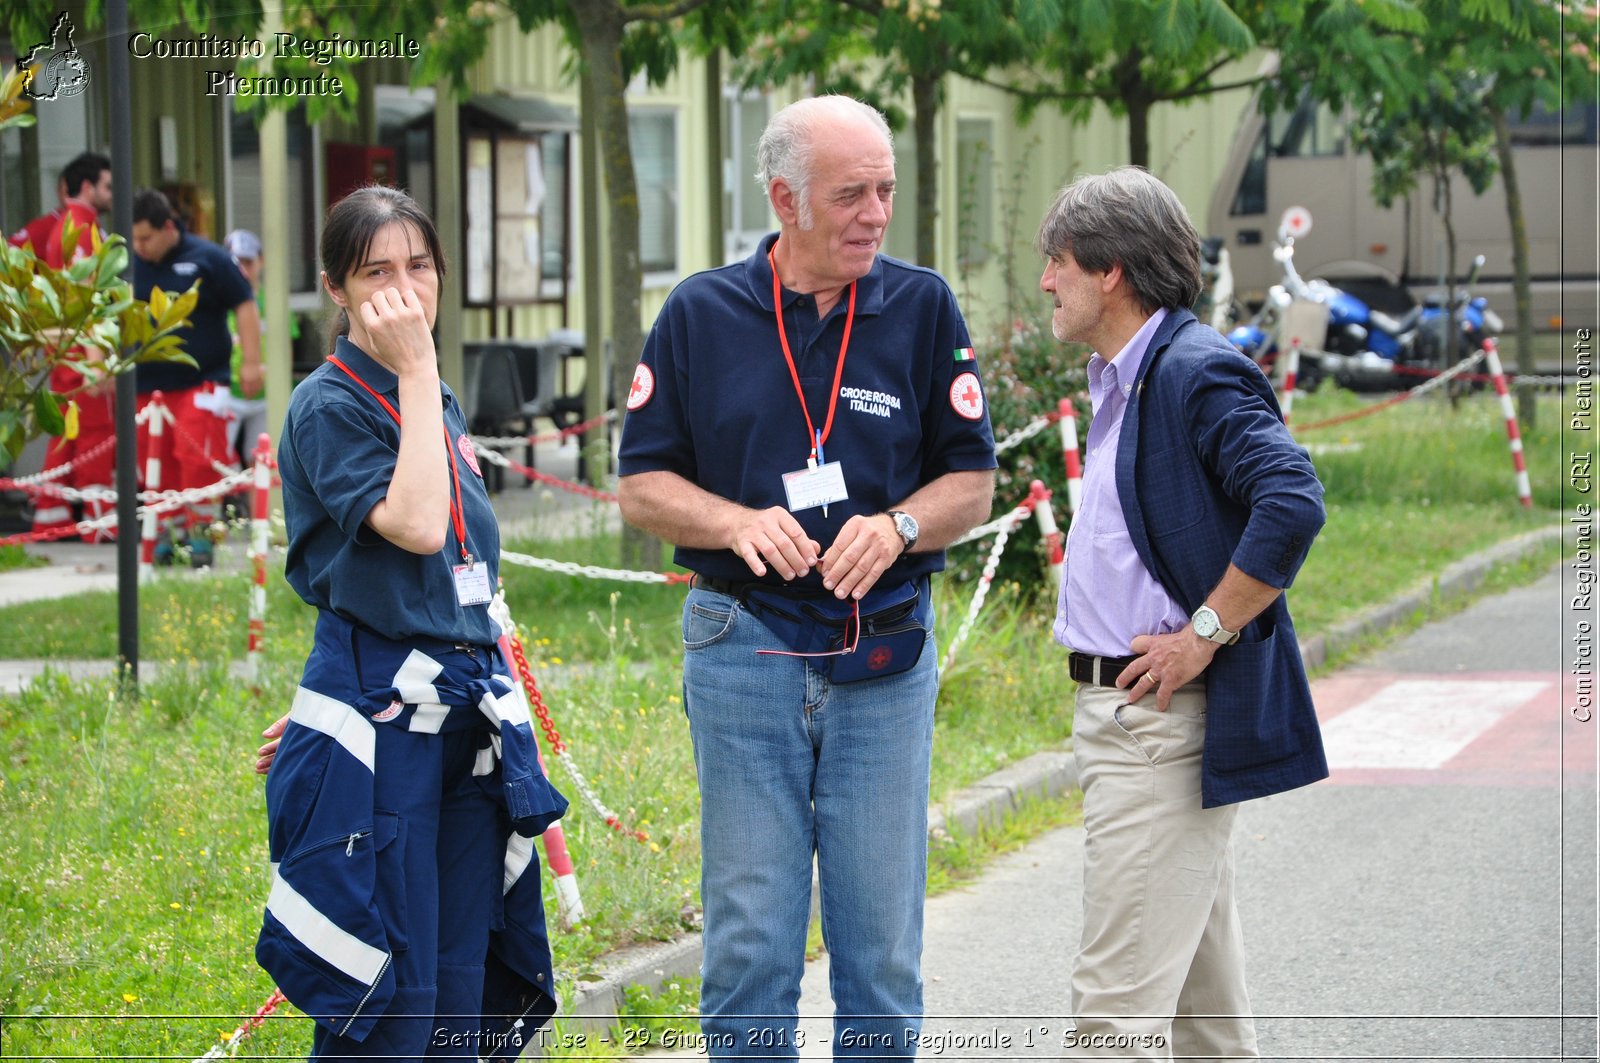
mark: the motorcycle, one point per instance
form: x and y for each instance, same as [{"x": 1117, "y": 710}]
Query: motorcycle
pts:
[
  {"x": 1257, "y": 336},
  {"x": 1364, "y": 347}
]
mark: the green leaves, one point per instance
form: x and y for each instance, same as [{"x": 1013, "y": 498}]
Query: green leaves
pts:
[{"x": 47, "y": 411}]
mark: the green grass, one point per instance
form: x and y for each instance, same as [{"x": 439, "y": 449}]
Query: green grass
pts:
[
  {"x": 132, "y": 834},
  {"x": 12, "y": 557}
]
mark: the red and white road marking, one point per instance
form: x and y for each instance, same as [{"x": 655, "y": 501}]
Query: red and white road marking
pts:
[{"x": 1503, "y": 728}]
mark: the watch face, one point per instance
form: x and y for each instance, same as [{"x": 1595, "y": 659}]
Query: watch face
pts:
[
  {"x": 906, "y": 525},
  {"x": 1205, "y": 622}
]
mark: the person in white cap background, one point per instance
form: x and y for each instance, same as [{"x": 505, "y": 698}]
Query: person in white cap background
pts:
[{"x": 250, "y": 413}]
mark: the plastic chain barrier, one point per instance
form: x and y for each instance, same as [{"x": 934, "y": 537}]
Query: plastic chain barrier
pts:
[
  {"x": 229, "y": 1048},
  {"x": 573, "y": 568},
  {"x": 1515, "y": 380},
  {"x": 559, "y": 748},
  {"x": 1519, "y": 461},
  {"x": 497, "y": 458},
  {"x": 569, "y": 902},
  {"x": 1422, "y": 389},
  {"x": 1002, "y": 529},
  {"x": 548, "y": 437},
  {"x": 160, "y": 502}
]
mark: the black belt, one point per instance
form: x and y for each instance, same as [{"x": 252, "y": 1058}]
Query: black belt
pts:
[
  {"x": 734, "y": 587},
  {"x": 1096, "y": 671}
]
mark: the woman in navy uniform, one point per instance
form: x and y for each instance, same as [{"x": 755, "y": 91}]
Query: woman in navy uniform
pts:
[{"x": 405, "y": 792}]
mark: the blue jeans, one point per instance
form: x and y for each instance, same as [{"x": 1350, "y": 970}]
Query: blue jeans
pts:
[{"x": 792, "y": 765}]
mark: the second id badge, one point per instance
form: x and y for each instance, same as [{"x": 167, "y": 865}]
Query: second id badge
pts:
[
  {"x": 472, "y": 583},
  {"x": 817, "y": 486}
]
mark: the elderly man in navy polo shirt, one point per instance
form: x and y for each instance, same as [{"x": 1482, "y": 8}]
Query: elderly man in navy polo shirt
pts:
[
  {"x": 1198, "y": 509},
  {"x": 816, "y": 393}
]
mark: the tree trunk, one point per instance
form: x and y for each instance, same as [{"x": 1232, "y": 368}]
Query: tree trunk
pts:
[
  {"x": 925, "y": 94},
  {"x": 1522, "y": 280},
  {"x": 600, "y": 26},
  {"x": 1136, "y": 98}
]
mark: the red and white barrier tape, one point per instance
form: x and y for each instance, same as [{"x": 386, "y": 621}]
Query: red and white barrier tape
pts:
[{"x": 1519, "y": 461}]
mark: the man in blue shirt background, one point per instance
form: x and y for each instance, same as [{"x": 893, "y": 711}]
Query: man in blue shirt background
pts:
[
  {"x": 816, "y": 393},
  {"x": 168, "y": 257}
]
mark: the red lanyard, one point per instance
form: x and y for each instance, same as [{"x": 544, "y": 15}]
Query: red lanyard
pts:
[
  {"x": 814, "y": 439},
  {"x": 456, "y": 517}
]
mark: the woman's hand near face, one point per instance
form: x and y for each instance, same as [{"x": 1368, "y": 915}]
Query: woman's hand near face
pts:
[{"x": 397, "y": 323}]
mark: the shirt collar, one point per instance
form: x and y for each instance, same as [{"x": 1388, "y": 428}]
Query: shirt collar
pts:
[
  {"x": 376, "y": 374},
  {"x": 1122, "y": 370},
  {"x": 758, "y": 274}
]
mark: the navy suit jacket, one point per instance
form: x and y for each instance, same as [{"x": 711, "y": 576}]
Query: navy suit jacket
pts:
[{"x": 1207, "y": 474}]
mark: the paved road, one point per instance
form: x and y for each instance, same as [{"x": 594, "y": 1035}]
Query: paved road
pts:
[{"x": 1434, "y": 900}]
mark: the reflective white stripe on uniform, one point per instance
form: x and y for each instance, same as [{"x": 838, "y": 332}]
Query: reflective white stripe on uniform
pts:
[
  {"x": 485, "y": 762},
  {"x": 429, "y": 717},
  {"x": 519, "y": 854},
  {"x": 323, "y": 936},
  {"x": 337, "y": 720},
  {"x": 415, "y": 679},
  {"x": 510, "y": 707}
]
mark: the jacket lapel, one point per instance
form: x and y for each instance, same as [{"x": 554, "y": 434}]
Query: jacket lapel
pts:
[{"x": 1128, "y": 444}]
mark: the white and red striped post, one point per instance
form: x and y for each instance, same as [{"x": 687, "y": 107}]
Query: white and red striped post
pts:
[
  {"x": 569, "y": 903},
  {"x": 1291, "y": 369},
  {"x": 156, "y": 413},
  {"x": 1518, "y": 461},
  {"x": 1047, "y": 528},
  {"x": 260, "y": 515},
  {"x": 1069, "y": 452}
]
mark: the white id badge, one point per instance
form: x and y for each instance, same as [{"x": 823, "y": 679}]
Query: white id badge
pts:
[
  {"x": 815, "y": 487},
  {"x": 472, "y": 583}
]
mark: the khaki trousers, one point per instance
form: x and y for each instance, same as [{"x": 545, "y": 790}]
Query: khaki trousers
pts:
[{"x": 1160, "y": 972}]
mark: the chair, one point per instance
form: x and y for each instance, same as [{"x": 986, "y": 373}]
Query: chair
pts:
[{"x": 496, "y": 408}]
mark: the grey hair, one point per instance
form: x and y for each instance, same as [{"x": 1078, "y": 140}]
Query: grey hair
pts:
[
  {"x": 1127, "y": 217},
  {"x": 785, "y": 150}
]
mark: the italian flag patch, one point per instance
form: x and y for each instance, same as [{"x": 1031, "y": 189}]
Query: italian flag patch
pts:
[{"x": 965, "y": 354}]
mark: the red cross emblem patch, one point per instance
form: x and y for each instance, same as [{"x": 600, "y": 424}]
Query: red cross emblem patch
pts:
[
  {"x": 879, "y": 658},
  {"x": 643, "y": 386},
  {"x": 966, "y": 396},
  {"x": 464, "y": 444}
]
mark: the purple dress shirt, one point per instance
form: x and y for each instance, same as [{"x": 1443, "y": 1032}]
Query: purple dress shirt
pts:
[{"x": 1108, "y": 595}]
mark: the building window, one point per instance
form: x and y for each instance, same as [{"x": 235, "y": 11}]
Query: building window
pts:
[
  {"x": 654, "y": 136},
  {"x": 516, "y": 218},
  {"x": 975, "y": 191},
  {"x": 746, "y": 213}
]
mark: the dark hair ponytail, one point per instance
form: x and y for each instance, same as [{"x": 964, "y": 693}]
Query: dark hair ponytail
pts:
[{"x": 350, "y": 227}]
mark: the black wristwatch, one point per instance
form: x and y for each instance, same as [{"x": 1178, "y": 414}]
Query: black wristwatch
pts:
[{"x": 905, "y": 525}]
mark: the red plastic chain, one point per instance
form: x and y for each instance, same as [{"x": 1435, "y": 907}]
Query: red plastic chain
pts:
[
  {"x": 525, "y": 673},
  {"x": 556, "y": 481}
]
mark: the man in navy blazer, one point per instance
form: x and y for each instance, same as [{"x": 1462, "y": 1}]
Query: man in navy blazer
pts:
[{"x": 1198, "y": 509}]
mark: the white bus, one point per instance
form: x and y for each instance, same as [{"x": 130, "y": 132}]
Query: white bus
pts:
[{"x": 1391, "y": 256}]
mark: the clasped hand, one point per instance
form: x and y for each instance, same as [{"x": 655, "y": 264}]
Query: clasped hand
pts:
[{"x": 863, "y": 550}]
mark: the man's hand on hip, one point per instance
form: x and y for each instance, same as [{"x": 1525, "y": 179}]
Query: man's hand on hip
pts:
[
  {"x": 1165, "y": 663},
  {"x": 865, "y": 548},
  {"x": 774, "y": 536}
]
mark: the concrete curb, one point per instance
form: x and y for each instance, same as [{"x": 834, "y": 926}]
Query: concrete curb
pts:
[
  {"x": 1457, "y": 580},
  {"x": 1047, "y": 774}
]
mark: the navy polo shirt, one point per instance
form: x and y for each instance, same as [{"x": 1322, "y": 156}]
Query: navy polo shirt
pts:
[
  {"x": 206, "y": 338},
  {"x": 713, "y": 401},
  {"x": 336, "y": 457}
]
